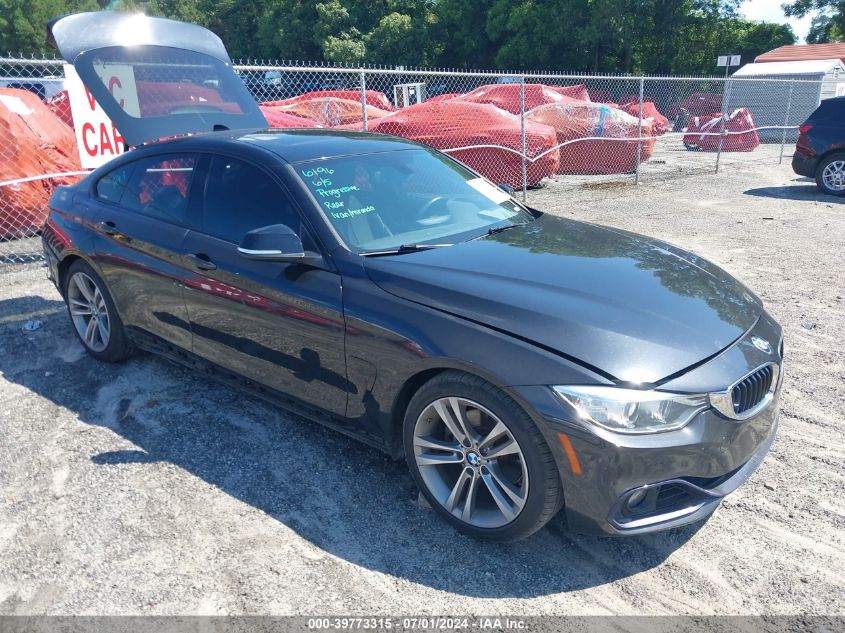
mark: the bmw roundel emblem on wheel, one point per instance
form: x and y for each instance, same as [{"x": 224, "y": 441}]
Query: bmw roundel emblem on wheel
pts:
[{"x": 522, "y": 364}]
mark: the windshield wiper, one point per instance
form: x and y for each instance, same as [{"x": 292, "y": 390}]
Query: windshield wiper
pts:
[
  {"x": 497, "y": 229},
  {"x": 405, "y": 248}
]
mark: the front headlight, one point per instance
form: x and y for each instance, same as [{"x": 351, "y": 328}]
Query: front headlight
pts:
[{"x": 631, "y": 410}]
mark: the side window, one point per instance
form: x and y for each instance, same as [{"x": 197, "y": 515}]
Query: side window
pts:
[
  {"x": 159, "y": 187},
  {"x": 240, "y": 197},
  {"x": 111, "y": 186}
]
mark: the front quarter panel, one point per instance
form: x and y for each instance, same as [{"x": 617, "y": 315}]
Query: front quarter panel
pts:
[{"x": 389, "y": 340}]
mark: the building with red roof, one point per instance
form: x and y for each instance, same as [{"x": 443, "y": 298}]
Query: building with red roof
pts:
[{"x": 804, "y": 52}]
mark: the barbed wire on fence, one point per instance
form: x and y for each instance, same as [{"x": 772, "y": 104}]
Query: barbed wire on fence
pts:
[{"x": 526, "y": 129}]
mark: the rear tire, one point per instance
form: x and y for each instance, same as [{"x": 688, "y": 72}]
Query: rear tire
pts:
[
  {"x": 830, "y": 174},
  {"x": 93, "y": 314},
  {"x": 486, "y": 469}
]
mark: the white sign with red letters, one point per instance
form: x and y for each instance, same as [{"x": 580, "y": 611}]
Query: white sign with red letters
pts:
[{"x": 97, "y": 140}]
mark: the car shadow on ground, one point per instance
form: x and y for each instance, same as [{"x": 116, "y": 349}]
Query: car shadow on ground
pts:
[
  {"x": 345, "y": 498},
  {"x": 799, "y": 191}
]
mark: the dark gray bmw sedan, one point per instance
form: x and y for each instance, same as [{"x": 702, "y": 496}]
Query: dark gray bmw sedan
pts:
[{"x": 521, "y": 363}]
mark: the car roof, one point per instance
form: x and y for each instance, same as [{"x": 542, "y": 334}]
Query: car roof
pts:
[
  {"x": 831, "y": 106},
  {"x": 296, "y": 145}
]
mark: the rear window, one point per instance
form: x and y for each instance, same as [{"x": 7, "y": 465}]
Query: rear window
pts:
[
  {"x": 154, "y": 92},
  {"x": 157, "y": 81},
  {"x": 157, "y": 186},
  {"x": 112, "y": 186}
]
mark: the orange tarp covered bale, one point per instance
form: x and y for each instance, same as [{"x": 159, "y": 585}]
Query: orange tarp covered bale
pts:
[
  {"x": 375, "y": 98},
  {"x": 59, "y": 105},
  {"x": 603, "y": 125},
  {"x": 452, "y": 124},
  {"x": 696, "y": 104},
  {"x": 659, "y": 123},
  {"x": 578, "y": 92},
  {"x": 703, "y": 132},
  {"x": 507, "y": 96},
  {"x": 446, "y": 96},
  {"x": 33, "y": 142},
  {"x": 276, "y": 119},
  {"x": 326, "y": 111}
]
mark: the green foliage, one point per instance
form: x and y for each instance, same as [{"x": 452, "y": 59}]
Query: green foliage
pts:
[
  {"x": 344, "y": 50},
  {"x": 392, "y": 41},
  {"x": 828, "y": 21},
  {"x": 618, "y": 36},
  {"x": 23, "y": 22}
]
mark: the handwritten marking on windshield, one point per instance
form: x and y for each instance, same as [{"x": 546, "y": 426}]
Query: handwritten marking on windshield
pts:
[
  {"x": 337, "y": 192},
  {"x": 317, "y": 171},
  {"x": 341, "y": 215}
]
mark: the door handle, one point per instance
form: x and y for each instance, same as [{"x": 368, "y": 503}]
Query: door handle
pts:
[
  {"x": 108, "y": 228},
  {"x": 201, "y": 261}
]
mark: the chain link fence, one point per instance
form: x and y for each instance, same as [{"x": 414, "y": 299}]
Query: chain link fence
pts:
[{"x": 525, "y": 130}]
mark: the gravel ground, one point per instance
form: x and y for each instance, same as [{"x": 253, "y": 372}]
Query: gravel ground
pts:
[{"x": 141, "y": 489}]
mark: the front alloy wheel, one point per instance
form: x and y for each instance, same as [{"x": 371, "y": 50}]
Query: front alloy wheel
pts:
[
  {"x": 479, "y": 459},
  {"x": 470, "y": 462}
]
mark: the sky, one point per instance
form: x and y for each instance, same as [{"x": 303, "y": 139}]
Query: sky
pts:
[{"x": 770, "y": 11}]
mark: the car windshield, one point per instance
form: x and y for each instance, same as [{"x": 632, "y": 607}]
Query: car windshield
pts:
[{"x": 385, "y": 201}]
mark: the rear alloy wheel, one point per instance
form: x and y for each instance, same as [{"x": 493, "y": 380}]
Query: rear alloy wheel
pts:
[
  {"x": 88, "y": 312},
  {"x": 479, "y": 459},
  {"x": 93, "y": 314},
  {"x": 830, "y": 174}
]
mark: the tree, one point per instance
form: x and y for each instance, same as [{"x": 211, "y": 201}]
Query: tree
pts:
[
  {"x": 401, "y": 35},
  {"x": 392, "y": 41},
  {"x": 23, "y": 23},
  {"x": 826, "y": 28},
  {"x": 750, "y": 39},
  {"x": 459, "y": 34},
  {"x": 184, "y": 10},
  {"x": 828, "y": 24},
  {"x": 335, "y": 34},
  {"x": 284, "y": 30},
  {"x": 613, "y": 36}
]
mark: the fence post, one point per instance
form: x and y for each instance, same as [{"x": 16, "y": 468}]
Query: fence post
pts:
[
  {"x": 364, "y": 100},
  {"x": 640, "y": 133},
  {"x": 522, "y": 134},
  {"x": 726, "y": 92},
  {"x": 786, "y": 120}
]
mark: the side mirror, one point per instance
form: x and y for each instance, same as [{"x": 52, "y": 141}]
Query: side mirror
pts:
[
  {"x": 506, "y": 188},
  {"x": 275, "y": 243}
]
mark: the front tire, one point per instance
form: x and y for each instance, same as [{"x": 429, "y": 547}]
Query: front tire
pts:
[
  {"x": 830, "y": 174},
  {"x": 479, "y": 459},
  {"x": 93, "y": 314}
]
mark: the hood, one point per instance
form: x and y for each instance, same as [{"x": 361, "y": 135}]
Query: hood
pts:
[{"x": 635, "y": 308}]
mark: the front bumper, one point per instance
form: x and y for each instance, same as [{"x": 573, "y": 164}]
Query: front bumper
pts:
[
  {"x": 680, "y": 476},
  {"x": 688, "y": 499}
]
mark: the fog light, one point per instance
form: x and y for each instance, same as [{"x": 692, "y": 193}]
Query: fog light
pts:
[{"x": 635, "y": 499}]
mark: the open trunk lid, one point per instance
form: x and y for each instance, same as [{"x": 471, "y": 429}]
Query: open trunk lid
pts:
[{"x": 154, "y": 77}]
